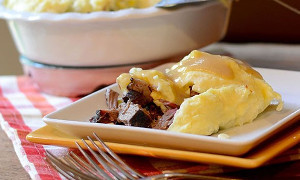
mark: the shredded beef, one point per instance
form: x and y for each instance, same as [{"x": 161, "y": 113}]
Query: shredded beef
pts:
[
  {"x": 134, "y": 115},
  {"x": 136, "y": 98},
  {"x": 168, "y": 104},
  {"x": 105, "y": 116},
  {"x": 140, "y": 86},
  {"x": 154, "y": 111},
  {"x": 137, "y": 108},
  {"x": 111, "y": 97},
  {"x": 138, "y": 92},
  {"x": 109, "y": 115},
  {"x": 166, "y": 120}
]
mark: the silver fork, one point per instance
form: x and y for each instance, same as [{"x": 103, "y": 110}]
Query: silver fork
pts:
[{"x": 112, "y": 167}]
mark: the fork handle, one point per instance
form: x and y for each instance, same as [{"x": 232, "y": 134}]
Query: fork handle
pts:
[
  {"x": 171, "y": 3},
  {"x": 185, "y": 176}
]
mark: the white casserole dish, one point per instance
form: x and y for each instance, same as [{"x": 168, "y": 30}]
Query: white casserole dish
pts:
[{"x": 116, "y": 37}]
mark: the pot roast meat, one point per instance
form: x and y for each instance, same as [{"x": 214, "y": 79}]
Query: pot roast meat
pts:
[
  {"x": 140, "y": 86},
  {"x": 105, "y": 116},
  {"x": 154, "y": 111},
  {"x": 138, "y": 92},
  {"x": 136, "y": 98},
  {"x": 168, "y": 104},
  {"x": 137, "y": 108},
  {"x": 111, "y": 114},
  {"x": 166, "y": 120},
  {"x": 111, "y": 97},
  {"x": 134, "y": 115}
]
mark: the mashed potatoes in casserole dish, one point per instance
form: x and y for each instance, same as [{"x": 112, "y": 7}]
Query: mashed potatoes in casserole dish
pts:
[
  {"x": 212, "y": 92},
  {"x": 82, "y": 6}
]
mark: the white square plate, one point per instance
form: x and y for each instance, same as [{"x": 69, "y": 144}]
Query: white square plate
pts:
[{"x": 74, "y": 120}]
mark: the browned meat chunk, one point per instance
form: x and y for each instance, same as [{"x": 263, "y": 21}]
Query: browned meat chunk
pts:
[
  {"x": 138, "y": 92},
  {"x": 138, "y": 108},
  {"x": 136, "y": 98},
  {"x": 134, "y": 115},
  {"x": 166, "y": 120},
  {"x": 111, "y": 97},
  {"x": 141, "y": 87},
  {"x": 105, "y": 116},
  {"x": 168, "y": 104},
  {"x": 154, "y": 111}
]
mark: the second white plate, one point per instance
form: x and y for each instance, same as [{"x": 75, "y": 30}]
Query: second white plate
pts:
[{"x": 74, "y": 119}]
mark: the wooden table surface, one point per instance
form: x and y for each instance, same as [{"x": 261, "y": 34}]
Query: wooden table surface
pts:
[{"x": 10, "y": 166}]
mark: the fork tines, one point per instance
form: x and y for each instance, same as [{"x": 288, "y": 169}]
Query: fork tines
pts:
[
  {"x": 111, "y": 166},
  {"x": 67, "y": 170},
  {"x": 73, "y": 166}
]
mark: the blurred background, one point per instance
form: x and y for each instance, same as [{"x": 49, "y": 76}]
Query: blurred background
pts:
[
  {"x": 263, "y": 25},
  {"x": 9, "y": 56}
]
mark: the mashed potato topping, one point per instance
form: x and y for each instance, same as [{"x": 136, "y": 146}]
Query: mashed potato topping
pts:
[
  {"x": 226, "y": 92},
  {"x": 82, "y": 6}
]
